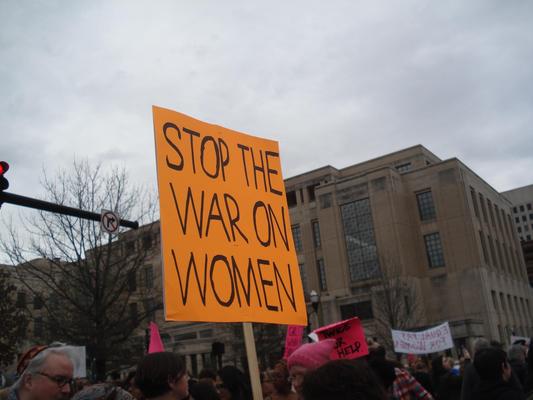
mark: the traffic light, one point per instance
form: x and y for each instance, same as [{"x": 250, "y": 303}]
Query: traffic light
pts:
[{"x": 4, "y": 184}]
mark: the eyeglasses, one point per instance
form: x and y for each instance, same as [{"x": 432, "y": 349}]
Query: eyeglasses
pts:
[{"x": 61, "y": 381}]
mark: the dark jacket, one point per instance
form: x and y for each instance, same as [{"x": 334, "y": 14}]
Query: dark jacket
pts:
[{"x": 499, "y": 390}]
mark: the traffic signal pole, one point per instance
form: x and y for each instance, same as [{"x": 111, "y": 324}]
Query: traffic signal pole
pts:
[{"x": 29, "y": 202}]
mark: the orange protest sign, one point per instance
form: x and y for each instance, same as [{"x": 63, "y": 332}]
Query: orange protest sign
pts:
[{"x": 227, "y": 246}]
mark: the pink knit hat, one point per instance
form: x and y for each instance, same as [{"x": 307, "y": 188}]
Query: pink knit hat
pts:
[{"x": 312, "y": 355}]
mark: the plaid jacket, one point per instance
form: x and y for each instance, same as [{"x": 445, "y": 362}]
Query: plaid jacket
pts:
[{"x": 405, "y": 387}]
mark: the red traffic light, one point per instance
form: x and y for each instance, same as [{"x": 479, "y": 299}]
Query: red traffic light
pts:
[
  {"x": 3, "y": 167},
  {"x": 4, "y": 184}
]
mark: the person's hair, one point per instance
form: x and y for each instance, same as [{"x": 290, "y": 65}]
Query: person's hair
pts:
[
  {"x": 488, "y": 363},
  {"x": 480, "y": 344},
  {"x": 384, "y": 370},
  {"x": 203, "y": 391},
  {"x": 342, "y": 380},
  {"x": 155, "y": 371},
  {"x": 35, "y": 365},
  {"x": 207, "y": 373},
  {"x": 496, "y": 344},
  {"x": 516, "y": 352},
  {"x": 236, "y": 382}
]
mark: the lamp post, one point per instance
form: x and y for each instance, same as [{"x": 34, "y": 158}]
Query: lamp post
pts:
[{"x": 315, "y": 302}]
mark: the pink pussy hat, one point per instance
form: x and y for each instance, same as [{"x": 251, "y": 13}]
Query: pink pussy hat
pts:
[{"x": 312, "y": 355}]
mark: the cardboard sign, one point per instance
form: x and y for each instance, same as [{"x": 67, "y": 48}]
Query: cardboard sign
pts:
[
  {"x": 431, "y": 340},
  {"x": 227, "y": 247},
  {"x": 293, "y": 340},
  {"x": 349, "y": 336}
]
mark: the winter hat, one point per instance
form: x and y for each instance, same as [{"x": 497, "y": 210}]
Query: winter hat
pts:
[{"x": 312, "y": 355}]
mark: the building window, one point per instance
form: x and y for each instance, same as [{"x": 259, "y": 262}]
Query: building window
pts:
[
  {"x": 522, "y": 209},
  {"x": 38, "y": 327},
  {"x": 492, "y": 252},
  {"x": 528, "y": 237},
  {"x": 132, "y": 281},
  {"x": 529, "y": 206},
  {"x": 311, "y": 192},
  {"x": 316, "y": 233},
  {"x": 297, "y": 236},
  {"x": 134, "y": 313},
  {"x": 205, "y": 333},
  {"x": 484, "y": 247},
  {"x": 426, "y": 207},
  {"x": 322, "y": 274},
  {"x": 434, "y": 250},
  {"x": 291, "y": 199},
  {"x": 185, "y": 336},
  {"x": 515, "y": 210},
  {"x": 129, "y": 247},
  {"x": 148, "y": 277},
  {"x": 403, "y": 167},
  {"x": 303, "y": 276},
  {"x": 147, "y": 242},
  {"x": 325, "y": 200},
  {"x": 519, "y": 229},
  {"x": 494, "y": 301},
  {"x": 37, "y": 302},
  {"x": 21, "y": 299},
  {"x": 489, "y": 205},
  {"x": 483, "y": 208},
  {"x": 517, "y": 220},
  {"x": 360, "y": 241},
  {"x": 524, "y": 218},
  {"x": 362, "y": 310},
  {"x": 474, "y": 201},
  {"x": 531, "y": 216},
  {"x": 150, "y": 308}
]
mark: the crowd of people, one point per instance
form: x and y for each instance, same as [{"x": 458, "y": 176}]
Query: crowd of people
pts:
[{"x": 46, "y": 373}]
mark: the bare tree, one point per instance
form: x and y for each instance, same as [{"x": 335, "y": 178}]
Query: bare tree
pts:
[
  {"x": 14, "y": 320},
  {"x": 88, "y": 279},
  {"x": 396, "y": 302}
]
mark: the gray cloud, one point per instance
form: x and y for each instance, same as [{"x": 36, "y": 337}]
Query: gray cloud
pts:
[{"x": 334, "y": 84}]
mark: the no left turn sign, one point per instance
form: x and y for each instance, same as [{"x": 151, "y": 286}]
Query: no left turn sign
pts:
[{"x": 109, "y": 221}]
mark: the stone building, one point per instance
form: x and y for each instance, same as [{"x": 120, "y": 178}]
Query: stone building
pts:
[
  {"x": 446, "y": 231},
  {"x": 522, "y": 201}
]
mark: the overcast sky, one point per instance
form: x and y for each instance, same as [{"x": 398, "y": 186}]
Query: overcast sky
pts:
[{"x": 335, "y": 82}]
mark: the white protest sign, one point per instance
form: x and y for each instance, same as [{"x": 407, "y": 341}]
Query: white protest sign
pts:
[
  {"x": 431, "y": 340},
  {"x": 78, "y": 356},
  {"x": 515, "y": 339}
]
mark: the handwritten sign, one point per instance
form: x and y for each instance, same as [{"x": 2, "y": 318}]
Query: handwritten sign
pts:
[
  {"x": 293, "y": 340},
  {"x": 431, "y": 340},
  {"x": 349, "y": 337},
  {"x": 227, "y": 246}
]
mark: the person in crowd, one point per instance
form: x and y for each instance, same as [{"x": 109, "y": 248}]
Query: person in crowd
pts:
[
  {"x": 421, "y": 374},
  {"x": 398, "y": 383},
  {"x": 131, "y": 387},
  {"x": 103, "y": 391},
  {"x": 281, "y": 384},
  {"x": 233, "y": 384},
  {"x": 46, "y": 373},
  {"x": 267, "y": 384},
  {"x": 162, "y": 376},
  {"x": 450, "y": 381},
  {"x": 470, "y": 376},
  {"x": 342, "y": 380},
  {"x": 207, "y": 375},
  {"x": 528, "y": 385},
  {"x": 494, "y": 373},
  {"x": 204, "y": 390},
  {"x": 517, "y": 359},
  {"x": 306, "y": 358}
]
